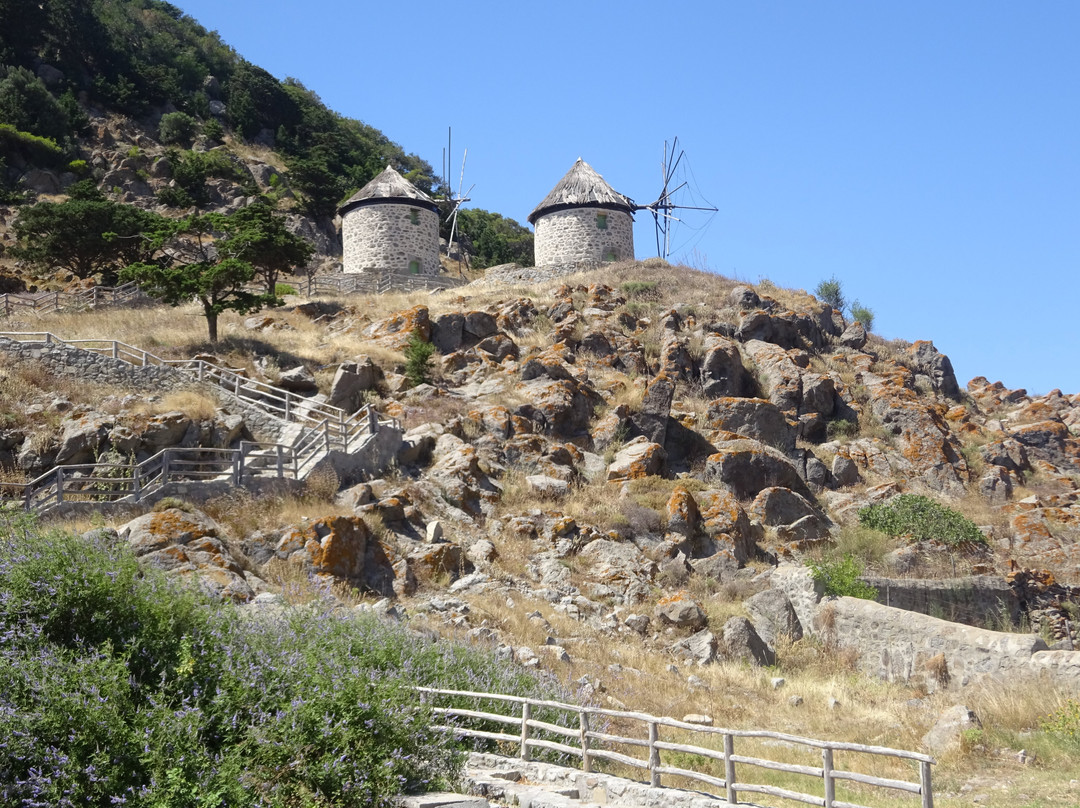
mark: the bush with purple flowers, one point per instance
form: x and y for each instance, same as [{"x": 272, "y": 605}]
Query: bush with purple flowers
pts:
[{"x": 119, "y": 687}]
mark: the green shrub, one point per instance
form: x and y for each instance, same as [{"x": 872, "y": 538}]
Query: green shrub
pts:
[
  {"x": 863, "y": 314},
  {"x": 418, "y": 359},
  {"x": 175, "y": 197},
  {"x": 117, "y": 685},
  {"x": 840, "y": 576},
  {"x": 213, "y": 131},
  {"x": 282, "y": 289},
  {"x": 921, "y": 519},
  {"x": 177, "y": 127},
  {"x": 831, "y": 292},
  {"x": 639, "y": 289},
  {"x": 842, "y": 429},
  {"x": 78, "y": 167},
  {"x": 1065, "y": 722}
]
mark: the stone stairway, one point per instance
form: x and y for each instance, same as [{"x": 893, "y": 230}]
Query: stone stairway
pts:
[{"x": 494, "y": 780}]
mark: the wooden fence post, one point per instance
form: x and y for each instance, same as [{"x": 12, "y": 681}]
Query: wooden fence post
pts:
[
  {"x": 136, "y": 483},
  {"x": 59, "y": 484},
  {"x": 586, "y": 759},
  {"x": 654, "y": 754},
  {"x": 925, "y": 786},
  {"x": 827, "y": 774},
  {"x": 526, "y": 714},
  {"x": 729, "y": 768}
]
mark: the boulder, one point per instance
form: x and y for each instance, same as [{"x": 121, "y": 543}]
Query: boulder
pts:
[
  {"x": 854, "y": 336},
  {"x": 683, "y": 515},
  {"x": 742, "y": 642},
  {"x": 547, "y": 487},
  {"x": 167, "y": 429},
  {"x": 722, "y": 371},
  {"x": 637, "y": 459},
  {"x": 927, "y": 361},
  {"x": 189, "y": 545},
  {"x": 743, "y": 297},
  {"x": 753, "y": 418},
  {"x": 700, "y": 647},
  {"x": 298, "y": 380},
  {"x": 651, "y": 421},
  {"x": 82, "y": 438},
  {"x": 351, "y": 381},
  {"x": 782, "y": 506},
  {"x": 680, "y": 611},
  {"x": 479, "y": 324},
  {"x": 844, "y": 470},
  {"x": 773, "y": 615},
  {"x": 947, "y": 734},
  {"x": 748, "y": 466},
  {"x": 447, "y": 331}
]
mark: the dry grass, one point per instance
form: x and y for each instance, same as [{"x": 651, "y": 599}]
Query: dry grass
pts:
[
  {"x": 192, "y": 403},
  {"x": 241, "y": 513}
]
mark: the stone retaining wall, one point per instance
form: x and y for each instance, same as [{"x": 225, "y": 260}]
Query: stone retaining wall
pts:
[
  {"x": 900, "y": 645},
  {"x": 66, "y": 360},
  {"x": 983, "y": 600}
]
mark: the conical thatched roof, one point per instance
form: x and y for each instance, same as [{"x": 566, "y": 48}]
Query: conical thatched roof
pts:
[
  {"x": 389, "y": 186},
  {"x": 582, "y": 187}
]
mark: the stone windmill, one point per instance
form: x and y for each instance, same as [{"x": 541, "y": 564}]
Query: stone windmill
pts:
[
  {"x": 583, "y": 221},
  {"x": 586, "y": 221},
  {"x": 389, "y": 225}
]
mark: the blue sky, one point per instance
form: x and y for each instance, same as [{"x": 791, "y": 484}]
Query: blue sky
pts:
[{"x": 924, "y": 153}]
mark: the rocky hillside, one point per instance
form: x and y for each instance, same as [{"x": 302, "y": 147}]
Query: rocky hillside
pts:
[{"x": 601, "y": 478}]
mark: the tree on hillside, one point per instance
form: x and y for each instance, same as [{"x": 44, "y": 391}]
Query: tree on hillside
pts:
[
  {"x": 188, "y": 264},
  {"x": 257, "y": 235},
  {"x": 492, "y": 238},
  {"x": 71, "y": 235}
]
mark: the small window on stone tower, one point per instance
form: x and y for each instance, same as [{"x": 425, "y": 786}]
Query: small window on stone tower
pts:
[
  {"x": 414, "y": 215},
  {"x": 414, "y": 267},
  {"x": 601, "y": 221},
  {"x": 609, "y": 255}
]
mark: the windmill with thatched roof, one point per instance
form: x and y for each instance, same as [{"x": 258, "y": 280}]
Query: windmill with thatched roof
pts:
[
  {"x": 583, "y": 221},
  {"x": 389, "y": 225}
]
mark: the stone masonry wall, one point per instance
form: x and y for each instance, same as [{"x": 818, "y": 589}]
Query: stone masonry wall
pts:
[
  {"x": 899, "y": 645},
  {"x": 383, "y": 237},
  {"x": 91, "y": 367},
  {"x": 976, "y": 601},
  {"x": 68, "y": 361},
  {"x": 569, "y": 237}
]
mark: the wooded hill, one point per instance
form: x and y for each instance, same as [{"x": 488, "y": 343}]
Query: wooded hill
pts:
[{"x": 64, "y": 61}]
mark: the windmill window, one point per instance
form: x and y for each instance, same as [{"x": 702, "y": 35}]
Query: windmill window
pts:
[
  {"x": 601, "y": 221},
  {"x": 609, "y": 255},
  {"x": 414, "y": 215},
  {"x": 414, "y": 267}
]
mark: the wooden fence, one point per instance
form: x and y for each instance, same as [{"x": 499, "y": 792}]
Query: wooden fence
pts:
[
  {"x": 132, "y": 482},
  {"x": 46, "y": 302},
  {"x": 588, "y": 741}
]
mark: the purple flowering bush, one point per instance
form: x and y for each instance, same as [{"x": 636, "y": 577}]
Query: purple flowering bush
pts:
[{"x": 119, "y": 687}]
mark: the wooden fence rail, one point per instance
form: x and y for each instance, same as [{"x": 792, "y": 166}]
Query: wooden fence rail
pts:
[
  {"x": 587, "y": 741},
  {"x": 46, "y": 302}
]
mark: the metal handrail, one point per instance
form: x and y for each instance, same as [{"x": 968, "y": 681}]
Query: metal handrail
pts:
[{"x": 112, "y": 482}]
